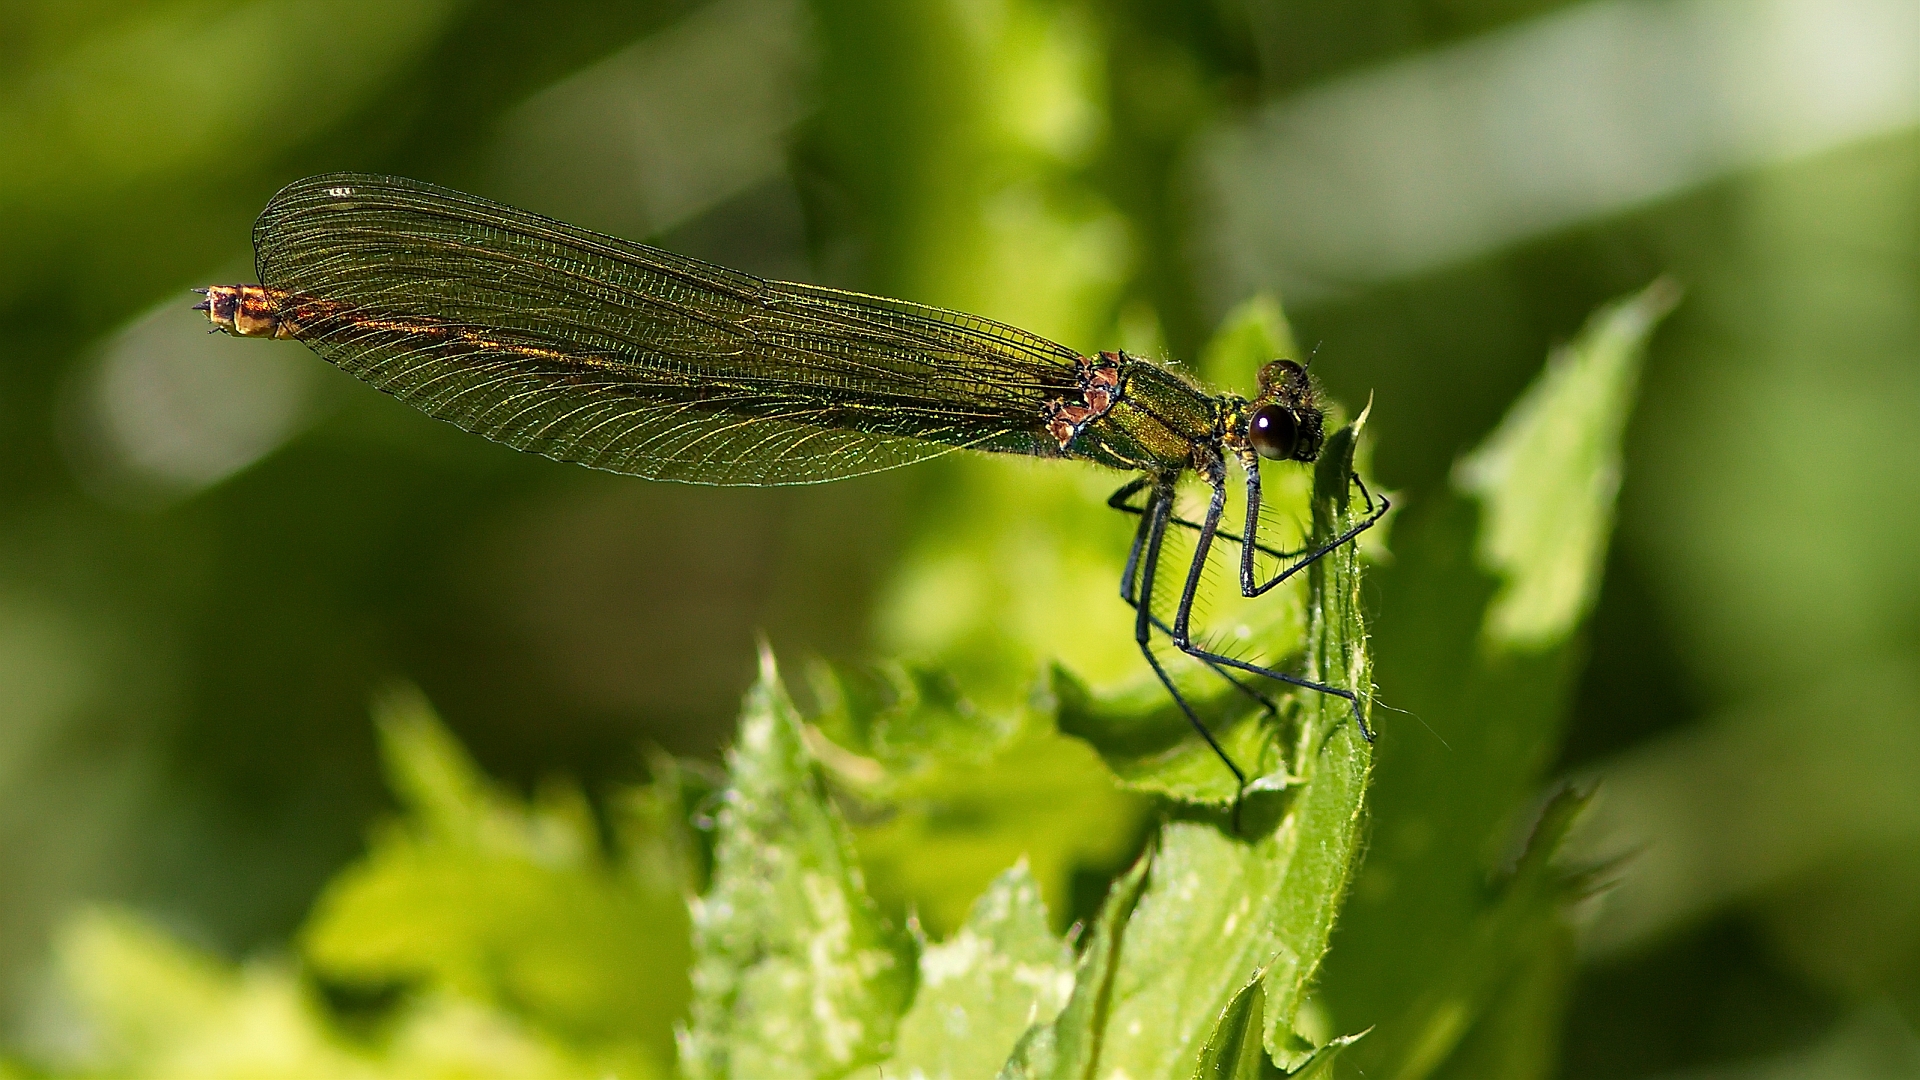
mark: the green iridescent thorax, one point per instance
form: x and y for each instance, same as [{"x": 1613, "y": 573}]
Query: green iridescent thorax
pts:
[{"x": 1155, "y": 424}]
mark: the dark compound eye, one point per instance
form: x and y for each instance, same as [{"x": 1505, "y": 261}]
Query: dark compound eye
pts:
[{"x": 1273, "y": 432}]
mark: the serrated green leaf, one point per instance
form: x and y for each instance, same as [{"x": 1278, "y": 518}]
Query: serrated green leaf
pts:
[
  {"x": 795, "y": 972},
  {"x": 1320, "y": 1064},
  {"x": 1547, "y": 478},
  {"x": 478, "y": 893},
  {"x": 1217, "y": 910},
  {"x": 1335, "y": 761},
  {"x": 1234, "y": 1050},
  {"x": 1069, "y": 1047},
  {"x": 1203, "y": 928},
  {"x": 1002, "y": 973}
]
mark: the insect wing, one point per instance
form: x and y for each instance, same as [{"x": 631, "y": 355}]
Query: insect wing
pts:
[{"x": 583, "y": 347}]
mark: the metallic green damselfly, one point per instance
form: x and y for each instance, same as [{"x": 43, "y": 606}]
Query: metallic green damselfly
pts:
[{"x": 587, "y": 348}]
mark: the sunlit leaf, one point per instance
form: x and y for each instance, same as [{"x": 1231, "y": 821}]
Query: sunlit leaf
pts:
[
  {"x": 795, "y": 972},
  {"x": 1233, "y": 1050},
  {"x": 1069, "y": 1047},
  {"x": 1214, "y": 910},
  {"x": 1219, "y": 909},
  {"x": 1319, "y": 1065},
  {"x": 981, "y": 990}
]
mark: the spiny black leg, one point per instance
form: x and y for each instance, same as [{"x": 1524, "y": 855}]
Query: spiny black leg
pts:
[
  {"x": 1158, "y": 509},
  {"x": 1118, "y": 501},
  {"x": 1266, "y": 703},
  {"x": 1353, "y": 699},
  {"x": 1364, "y": 493},
  {"x": 1131, "y": 573},
  {"x": 1216, "y": 477},
  {"x": 1216, "y": 503},
  {"x": 1250, "y": 585},
  {"x": 1332, "y": 545}
]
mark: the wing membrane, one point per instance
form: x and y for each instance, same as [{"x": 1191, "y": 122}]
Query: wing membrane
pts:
[{"x": 583, "y": 347}]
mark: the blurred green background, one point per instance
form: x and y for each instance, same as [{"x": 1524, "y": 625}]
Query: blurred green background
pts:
[{"x": 213, "y": 553}]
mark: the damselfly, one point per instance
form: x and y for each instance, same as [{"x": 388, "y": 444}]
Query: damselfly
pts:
[{"x": 587, "y": 348}]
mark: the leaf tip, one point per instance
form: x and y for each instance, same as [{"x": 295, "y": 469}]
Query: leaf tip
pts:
[{"x": 769, "y": 668}]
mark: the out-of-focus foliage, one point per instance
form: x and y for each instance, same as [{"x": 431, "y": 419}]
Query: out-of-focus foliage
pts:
[
  {"x": 155, "y": 1007},
  {"x": 1546, "y": 479},
  {"x": 481, "y": 935},
  {"x": 1478, "y": 654},
  {"x": 516, "y": 906},
  {"x": 947, "y": 794},
  {"x": 213, "y": 552}
]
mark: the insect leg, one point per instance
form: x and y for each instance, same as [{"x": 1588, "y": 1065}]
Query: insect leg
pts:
[
  {"x": 1250, "y": 584},
  {"x": 1120, "y": 500},
  {"x": 1250, "y": 587},
  {"x": 1159, "y": 509},
  {"x": 1353, "y": 699},
  {"x": 1364, "y": 493},
  {"x": 1130, "y": 577}
]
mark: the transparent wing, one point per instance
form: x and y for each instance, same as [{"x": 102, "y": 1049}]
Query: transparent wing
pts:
[{"x": 583, "y": 347}]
